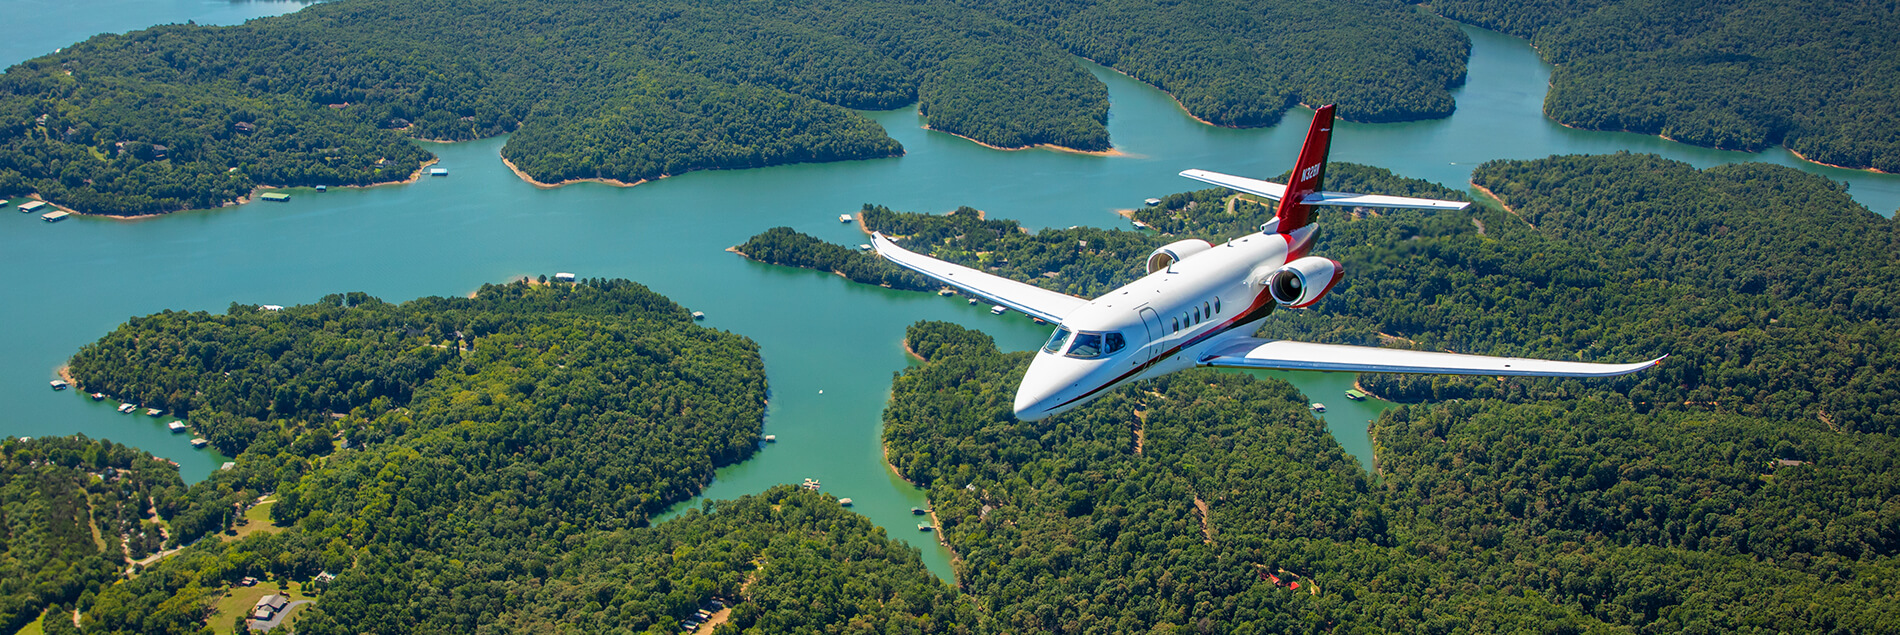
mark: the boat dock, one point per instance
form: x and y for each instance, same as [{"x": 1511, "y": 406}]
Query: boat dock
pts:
[
  {"x": 55, "y": 216},
  {"x": 1355, "y": 395},
  {"x": 275, "y": 197},
  {"x": 59, "y": 384},
  {"x": 32, "y": 206},
  {"x": 199, "y": 442},
  {"x": 127, "y": 408},
  {"x": 439, "y": 172},
  {"x": 175, "y": 426},
  {"x": 844, "y": 218}
]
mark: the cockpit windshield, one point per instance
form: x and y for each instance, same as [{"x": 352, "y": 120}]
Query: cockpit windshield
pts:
[
  {"x": 1056, "y": 340},
  {"x": 1093, "y": 345}
]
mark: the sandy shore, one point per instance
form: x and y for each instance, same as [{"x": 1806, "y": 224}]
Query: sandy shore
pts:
[
  {"x": 1111, "y": 152},
  {"x": 524, "y": 176},
  {"x": 1804, "y": 157}
]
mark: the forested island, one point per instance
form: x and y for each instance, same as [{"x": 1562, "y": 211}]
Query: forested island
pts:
[
  {"x": 1816, "y": 76},
  {"x": 184, "y": 116}
]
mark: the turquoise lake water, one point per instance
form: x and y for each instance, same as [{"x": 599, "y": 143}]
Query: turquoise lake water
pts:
[{"x": 830, "y": 346}]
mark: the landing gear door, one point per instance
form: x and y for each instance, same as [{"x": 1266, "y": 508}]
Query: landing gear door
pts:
[{"x": 1155, "y": 333}]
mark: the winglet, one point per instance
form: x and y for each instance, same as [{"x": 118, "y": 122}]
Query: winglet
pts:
[{"x": 1309, "y": 172}]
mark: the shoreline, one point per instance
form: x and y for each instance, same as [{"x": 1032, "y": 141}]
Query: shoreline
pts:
[
  {"x": 1783, "y": 146},
  {"x": 249, "y": 196},
  {"x": 548, "y": 186},
  {"x": 1110, "y": 152}
]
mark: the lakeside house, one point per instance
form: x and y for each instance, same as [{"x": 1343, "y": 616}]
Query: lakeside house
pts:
[{"x": 268, "y": 607}]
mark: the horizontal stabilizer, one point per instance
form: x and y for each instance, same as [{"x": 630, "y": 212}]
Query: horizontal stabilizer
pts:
[
  {"x": 1288, "y": 355},
  {"x": 1274, "y": 191},
  {"x": 1030, "y": 299}
]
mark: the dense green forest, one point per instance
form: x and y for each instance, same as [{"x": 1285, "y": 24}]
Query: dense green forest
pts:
[
  {"x": 487, "y": 462},
  {"x": 1167, "y": 505},
  {"x": 72, "y": 512},
  {"x": 1243, "y": 63},
  {"x": 184, "y": 116},
  {"x": 1819, "y": 77}
]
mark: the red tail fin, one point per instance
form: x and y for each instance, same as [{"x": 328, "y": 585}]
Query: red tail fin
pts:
[{"x": 1308, "y": 172}]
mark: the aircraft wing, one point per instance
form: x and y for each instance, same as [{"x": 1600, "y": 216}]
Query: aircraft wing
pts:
[
  {"x": 1248, "y": 352},
  {"x": 1030, "y": 299},
  {"x": 1274, "y": 191}
]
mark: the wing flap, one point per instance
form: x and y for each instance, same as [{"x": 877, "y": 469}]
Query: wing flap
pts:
[
  {"x": 1348, "y": 199},
  {"x": 1027, "y": 298},
  {"x": 1288, "y": 355},
  {"x": 1274, "y": 191}
]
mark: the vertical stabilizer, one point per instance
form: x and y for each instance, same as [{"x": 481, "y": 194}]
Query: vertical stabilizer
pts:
[{"x": 1308, "y": 173}]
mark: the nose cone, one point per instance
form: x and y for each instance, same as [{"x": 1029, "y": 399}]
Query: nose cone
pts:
[{"x": 1050, "y": 385}]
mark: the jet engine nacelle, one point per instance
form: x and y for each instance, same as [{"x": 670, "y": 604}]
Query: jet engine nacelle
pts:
[
  {"x": 1301, "y": 283},
  {"x": 1174, "y": 252}
]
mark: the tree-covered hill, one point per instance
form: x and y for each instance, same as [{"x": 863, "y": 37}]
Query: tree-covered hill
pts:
[
  {"x": 1818, "y": 77},
  {"x": 483, "y": 464},
  {"x": 1194, "y": 502},
  {"x": 1243, "y": 63},
  {"x": 184, "y": 116}
]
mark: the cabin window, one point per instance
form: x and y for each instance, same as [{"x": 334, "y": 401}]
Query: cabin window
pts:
[
  {"x": 1056, "y": 340},
  {"x": 1217, "y": 305},
  {"x": 1206, "y": 310},
  {"x": 1177, "y": 324}
]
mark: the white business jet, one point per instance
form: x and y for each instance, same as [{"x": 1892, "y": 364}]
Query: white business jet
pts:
[{"x": 1200, "y": 303}]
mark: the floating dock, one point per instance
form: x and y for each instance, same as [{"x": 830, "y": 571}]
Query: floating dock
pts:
[
  {"x": 917, "y": 511},
  {"x": 1319, "y": 407},
  {"x": 865, "y": 247},
  {"x": 998, "y": 310},
  {"x": 54, "y": 217},
  {"x": 98, "y": 396},
  {"x": 323, "y": 188},
  {"x": 844, "y": 218},
  {"x": 771, "y": 438},
  {"x": 59, "y": 384},
  {"x": 175, "y": 426},
  {"x": 1355, "y": 395},
  {"x": 153, "y": 412},
  {"x": 275, "y": 197},
  {"x": 699, "y": 315},
  {"x": 564, "y": 277},
  {"x": 844, "y": 502},
  {"x": 925, "y": 527},
  {"x": 439, "y": 172},
  {"x": 199, "y": 442},
  {"x": 32, "y": 206},
  {"x": 127, "y": 408}
]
